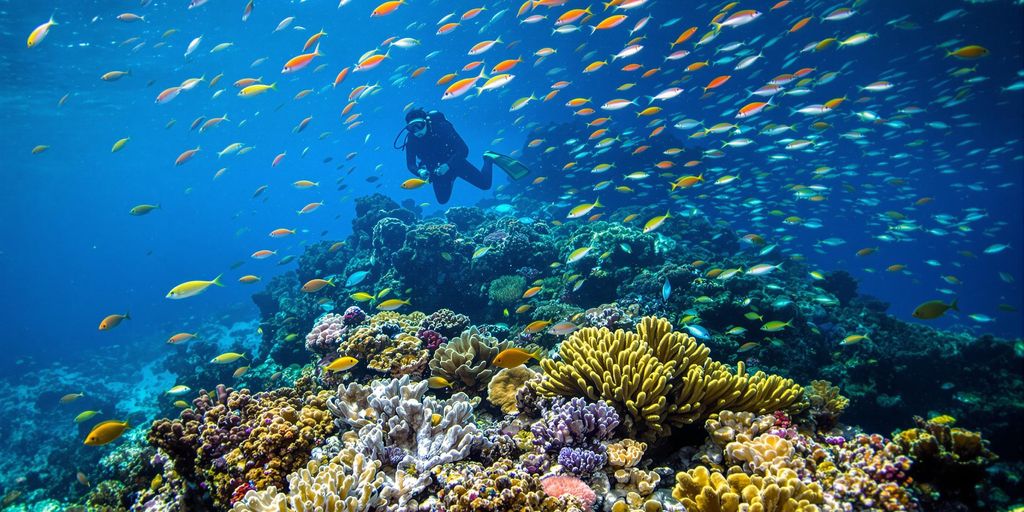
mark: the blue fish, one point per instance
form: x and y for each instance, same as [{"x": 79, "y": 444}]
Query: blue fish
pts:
[
  {"x": 356, "y": 278},
  {"x": 698, "y": 332},
  {"x": 666, "y": 289}
]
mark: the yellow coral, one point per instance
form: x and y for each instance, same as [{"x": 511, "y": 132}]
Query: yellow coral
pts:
[
  {"x": 700, "y": 490},
  {"x": 348, "y": 483},
  {"x": 625, "y": 453},
  {"x": 659, "y": 378},
  {"x": 502, "y": 389}
]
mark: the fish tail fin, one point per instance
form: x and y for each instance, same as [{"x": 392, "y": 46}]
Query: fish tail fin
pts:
[
  {"x": 273, "y": 86},
  {"x": 217, "y": 282},
  {"x": 668, "y": 213},
  {"x": 126, "y": 317},
  {"x": 593, "y": 28},
  {"x": 537, "y": 354},
  {"x": 330, "y": 281},
  {"x": 954, "y": 305},
  {"x": 52, "y": 20},
  {"x": 597, "y": 203}
]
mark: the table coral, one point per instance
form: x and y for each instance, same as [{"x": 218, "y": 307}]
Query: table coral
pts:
[{"x": 659, "y": 378}]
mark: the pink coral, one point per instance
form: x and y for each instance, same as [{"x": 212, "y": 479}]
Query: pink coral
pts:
[
  {"x": 561, "y": 485},
  {"x": 326, "y": 334}
]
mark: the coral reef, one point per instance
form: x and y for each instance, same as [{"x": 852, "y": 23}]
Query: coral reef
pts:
[
  {"x": 505, "y": 385},
  {"x": 659, "y": 377},
  {"x": 465, "y": 361}
]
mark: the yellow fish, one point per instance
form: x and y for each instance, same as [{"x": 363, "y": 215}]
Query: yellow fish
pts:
[
  {"x": 85, "y": 415},
  {"x": 536, "y": 326},
  {"x": 413, "y": 183},
  {"x": 776, "y": 325},
  {"x": 227, "y": 357},
  {"x": 143, "y": 209},
  {"x": 181, "y": 403},
  {"x": 361, "y": 296},
  {"x": 192, "y": 288},
  {"x": 584, "y": 209},
  {"x": 180, "y": 389},
  {"x": 256, "y": 89},
  {"x": 853, "y": 338},
  {"x": 392, "y": 304},
  {"x": 655, "y": 222},
  {"x": 934, "y": 309},
  {"x": 438, "y": 383},
  {"x": 40, "y": 32},
  {"x": 341, "y": 364},
  {"x": 106, "y": 432},
  {"x": 513, "y": 357}
]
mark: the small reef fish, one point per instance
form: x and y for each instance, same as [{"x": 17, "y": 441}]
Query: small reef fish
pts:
[
  {"x": 437, "y": 382},
  {"x": 181, "y": 337},
  {"x": 111, "y": 321},
  {"x": 86, "y": 415},
  {"x": 71, "y": 397},
  {"x": 227, "y": 357},
  {"x": 106, "y": 432},
  {"x": 180, "y": 389},
  {"x": 143, "y": 209},
  {"x": 356, "y": 278},
  {"x": 192, "y": 288},
  {"x": 392, "y": 304},
  {"x": 536, "y": 326},
  {"x": 776, "y": 326},
  {"x": 934, "y": 309},
  {"x": 853, "y": 339},
  {"x": 513, "y": 357},
  {"x": 341, "y": 364},
  {"x": 315, "y": 285}
]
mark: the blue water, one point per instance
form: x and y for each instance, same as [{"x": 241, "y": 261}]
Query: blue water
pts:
[{"x": 71, "y": 254}]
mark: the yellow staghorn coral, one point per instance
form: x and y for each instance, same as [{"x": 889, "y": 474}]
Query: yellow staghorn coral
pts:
[
  {"x": 700, "y": 490},
  {"x": 659, "y": 378}
]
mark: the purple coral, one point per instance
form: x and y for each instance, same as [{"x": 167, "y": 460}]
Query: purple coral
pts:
[
  {"x": 353, "y": 316},
  {"x": 581, "y": 461},
  {"x": 326, "y": 334},
  {"x": 575, "y": 423},
  {"x": 431, "y": 339}
]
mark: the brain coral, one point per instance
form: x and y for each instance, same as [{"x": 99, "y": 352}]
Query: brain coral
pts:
[{"x": 659, "y": 378}]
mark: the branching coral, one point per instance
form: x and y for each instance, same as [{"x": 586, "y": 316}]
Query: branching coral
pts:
[
  {"x": 500, "y": 487},
  {"x": 235, "y": 438},
  {"x": 659, "y": 378},
  {"x": 466, "y": 361},
  {"x": 825, "y": 404},
  {"x": 337, "y": 486},
  {"x": 952, "y": 459}
]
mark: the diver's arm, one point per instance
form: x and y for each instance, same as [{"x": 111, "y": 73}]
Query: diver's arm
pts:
[{"x": 410, "y": 162}]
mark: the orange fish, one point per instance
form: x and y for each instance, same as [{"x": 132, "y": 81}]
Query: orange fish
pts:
[
  {"x": 111, "y": 321},
  {"x": 186, "y": 155},
  {"x": 298, "y": 62},
  {"x": 386, "y": 8}
]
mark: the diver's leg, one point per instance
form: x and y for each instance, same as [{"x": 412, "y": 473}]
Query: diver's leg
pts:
[
  {"x": 480, "y": 179},
  {"x": 443, "y": 189}
]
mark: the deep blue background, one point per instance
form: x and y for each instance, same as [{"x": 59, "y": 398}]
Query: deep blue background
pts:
[{"x": 71, "y": 254}]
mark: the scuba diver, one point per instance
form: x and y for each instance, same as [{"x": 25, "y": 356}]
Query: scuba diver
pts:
[{"x": 435, "y": 153}]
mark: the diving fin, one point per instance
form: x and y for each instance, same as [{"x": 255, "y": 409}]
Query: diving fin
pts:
[{"x": 510, "y": 165}]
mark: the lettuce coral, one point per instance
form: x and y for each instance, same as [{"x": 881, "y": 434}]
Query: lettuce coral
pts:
[
  {"x": 659, "y": 378},
  {"x": 466, "y": 361}
]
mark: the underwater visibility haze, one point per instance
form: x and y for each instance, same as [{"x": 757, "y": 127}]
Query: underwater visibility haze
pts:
[{"x": 477, "y": 255}]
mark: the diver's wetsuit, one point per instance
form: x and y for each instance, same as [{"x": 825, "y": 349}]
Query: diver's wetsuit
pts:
[{"x": 443, "y": 145}]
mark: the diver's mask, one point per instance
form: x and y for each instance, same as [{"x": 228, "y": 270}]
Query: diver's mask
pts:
[{"x": 417, "y": 127}]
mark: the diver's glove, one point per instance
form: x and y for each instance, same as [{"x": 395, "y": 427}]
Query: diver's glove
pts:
[
  {"x": 424, "y": 174},
  {"x": 441, "y": 170}
]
